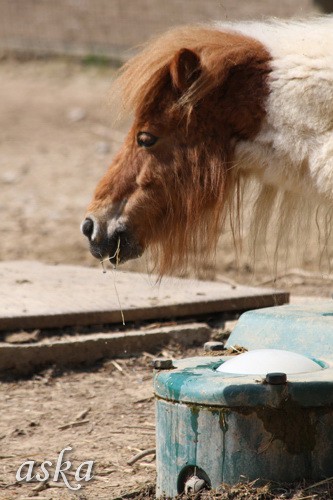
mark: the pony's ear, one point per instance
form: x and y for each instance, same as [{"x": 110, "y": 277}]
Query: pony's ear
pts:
[{"x": 185, "y": 68}]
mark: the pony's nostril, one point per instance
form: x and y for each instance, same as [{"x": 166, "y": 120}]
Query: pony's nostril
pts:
[{"x": 87, "y": 227}]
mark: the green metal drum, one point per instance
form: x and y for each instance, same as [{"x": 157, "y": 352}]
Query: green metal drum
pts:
[{"x": 215, "y": 427}]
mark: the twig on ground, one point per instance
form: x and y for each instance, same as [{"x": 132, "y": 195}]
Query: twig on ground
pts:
[
  {"x": 11, "y": 484},
  {"x": 146, "y": 433},
  {"x": 147, "y": 464},
  {"x": 152, "y": 356},
  {"x": 138, "y": 456},
  {"x": 308, "y": 497},
  {"x": 116, "y": 365},
  {"x": 324, "y": 481},
  {"x": 228, "y": 281},
  {"x": 143, "y": 400},
  {"x": 105, "y": 472},
  {"x": 237, "y": 348},
  {"x": 131, "y": 494},
  {"x": 82, "y": 415},
  {"x": 30, "y": 498},
  {"x": 146, "y": 427},
  {"x": 73, "y": 424},
  {"x": 52, "y": 484}
]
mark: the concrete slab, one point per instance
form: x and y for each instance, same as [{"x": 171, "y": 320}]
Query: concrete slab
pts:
[
  {"x": 24, "y": 359},
  {"x": 36, "y": 295}
]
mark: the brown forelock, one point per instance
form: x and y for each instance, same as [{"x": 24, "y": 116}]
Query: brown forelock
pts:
[{"x": 181, "y": 188}]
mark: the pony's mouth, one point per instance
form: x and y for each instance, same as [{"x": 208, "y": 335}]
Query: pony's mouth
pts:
[
  {"x": 125, "y": 253},
  {"x": 113, "y": 241},
  {"x": 118, "y": 249}
]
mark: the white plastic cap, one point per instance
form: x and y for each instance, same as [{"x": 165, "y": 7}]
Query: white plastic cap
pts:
[{"x": 263, "y": 361}]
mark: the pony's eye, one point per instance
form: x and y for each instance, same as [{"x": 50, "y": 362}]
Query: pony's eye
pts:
[{"x": 146, "y": 140}]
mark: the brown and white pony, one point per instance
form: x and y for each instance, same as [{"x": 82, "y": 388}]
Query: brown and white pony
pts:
[{"x": 215, "y": 107}]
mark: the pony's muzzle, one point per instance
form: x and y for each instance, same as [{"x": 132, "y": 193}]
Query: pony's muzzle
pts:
[{"x": 117, "y": 245}]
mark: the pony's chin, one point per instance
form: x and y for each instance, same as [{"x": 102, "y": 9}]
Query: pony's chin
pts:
[{"x": 126, "y": 254}]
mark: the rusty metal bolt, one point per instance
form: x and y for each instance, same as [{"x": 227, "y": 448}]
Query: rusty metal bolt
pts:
[
  {"x": 276, "y": 378},
  {"x": 162, "y": 364},
  {"x": 213, "y": 346}
]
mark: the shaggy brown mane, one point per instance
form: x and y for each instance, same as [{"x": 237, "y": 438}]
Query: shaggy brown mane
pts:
[
  {"x": 193, "y": 219},
  {"x": 140, "y": 77}
]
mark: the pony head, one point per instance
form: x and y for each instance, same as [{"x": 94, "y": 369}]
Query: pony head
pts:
[{"x": 194, "y": 93}]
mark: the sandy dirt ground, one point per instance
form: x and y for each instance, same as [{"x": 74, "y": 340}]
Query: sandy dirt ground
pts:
[
  {"x": 116, "y": 413},
  {"x": 57, "y": 139}
]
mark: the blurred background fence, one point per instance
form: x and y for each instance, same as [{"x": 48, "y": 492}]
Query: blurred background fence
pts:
[{"x": 112, "y": 27}]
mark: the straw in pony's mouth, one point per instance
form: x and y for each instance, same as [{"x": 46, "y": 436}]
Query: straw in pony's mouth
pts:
[
  {"x": 109, "y": 257},
  {"x": 114, "y": 268}
]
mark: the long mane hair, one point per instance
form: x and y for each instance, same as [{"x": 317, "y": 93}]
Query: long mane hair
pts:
[{"x": 238, "y": 196}]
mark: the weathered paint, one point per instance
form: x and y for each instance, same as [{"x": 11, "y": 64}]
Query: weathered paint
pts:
[
  {"x": 229, "y": 445},
  {"x": 201, "y": 384}
]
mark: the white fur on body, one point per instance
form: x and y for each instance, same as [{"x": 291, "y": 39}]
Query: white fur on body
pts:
[{"x": 294, "y": 149}]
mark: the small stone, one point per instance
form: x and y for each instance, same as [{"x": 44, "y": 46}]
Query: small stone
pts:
[{"x": 76, "y": 114}]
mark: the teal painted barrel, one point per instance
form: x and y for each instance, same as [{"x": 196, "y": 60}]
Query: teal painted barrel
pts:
[{"x": 227, "y": 427}]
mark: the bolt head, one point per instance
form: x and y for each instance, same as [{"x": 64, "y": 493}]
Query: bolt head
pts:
[
  {"x": 213, "y": 346},
  {"x": 276, "y": 378},
  {"x": 162, "y": 364}
]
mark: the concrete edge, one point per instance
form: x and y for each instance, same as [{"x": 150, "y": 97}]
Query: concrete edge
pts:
[{"x": 25, "y": 359}]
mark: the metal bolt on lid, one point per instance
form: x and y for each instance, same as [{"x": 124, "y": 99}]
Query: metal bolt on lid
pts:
[
  {"x": 213, "y": 346},
  {"x": 276, "y": 378},
  {"x": 162, "y": 364}
]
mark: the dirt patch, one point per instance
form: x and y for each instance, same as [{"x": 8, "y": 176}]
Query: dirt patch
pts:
[{"x": 37, "y": 423}]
